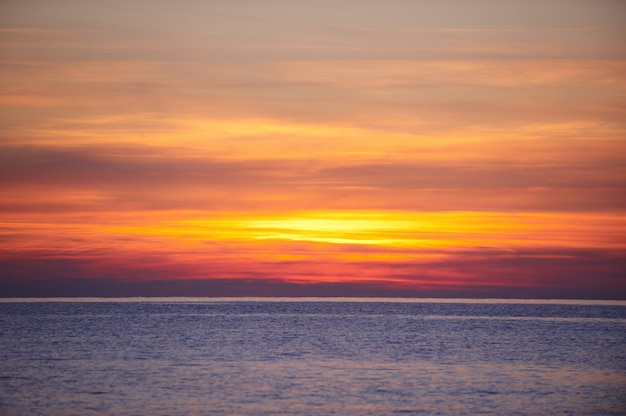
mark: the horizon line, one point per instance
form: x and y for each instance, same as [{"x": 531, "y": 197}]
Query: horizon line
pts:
[{"x": 330, "y": 299}]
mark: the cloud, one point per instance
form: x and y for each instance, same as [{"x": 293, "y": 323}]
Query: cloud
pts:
[
  {"x": 476, "y": 174},
  {"x": 122, "y": 166},
  {"x": 134, "y": 167},
  {"x": 558, "y": 273},
  {"x": 56, "y": 177},
  {"x": 143, "y": 141}
]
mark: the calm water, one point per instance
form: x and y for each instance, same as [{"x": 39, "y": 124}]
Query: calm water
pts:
[{"x": 184, "y": 357}]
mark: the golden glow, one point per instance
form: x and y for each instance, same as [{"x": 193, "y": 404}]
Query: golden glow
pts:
[
  {"x": 483, "y": 148},
  {"x": 386, "y": 230}
]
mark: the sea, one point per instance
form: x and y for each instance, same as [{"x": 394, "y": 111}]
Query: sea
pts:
[{"x": 307, "y": 356}]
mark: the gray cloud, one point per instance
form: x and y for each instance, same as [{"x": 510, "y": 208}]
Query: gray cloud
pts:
[
  {"x": 150, "y": 178},
  {"x": 121, "y": 167}
]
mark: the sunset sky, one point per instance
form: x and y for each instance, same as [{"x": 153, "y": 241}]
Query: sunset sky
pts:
[{"x": 467, "y": 148}]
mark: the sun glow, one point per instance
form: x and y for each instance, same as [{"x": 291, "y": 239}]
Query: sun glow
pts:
[
  {"x": 292, "y": 144},
  {"x": 387, "y": 230}
]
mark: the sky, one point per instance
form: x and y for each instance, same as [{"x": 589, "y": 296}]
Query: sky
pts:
[{"x": 412, "y": 148}]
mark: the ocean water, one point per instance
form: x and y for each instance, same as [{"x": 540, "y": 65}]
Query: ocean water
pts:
[{"x": 312, "y": 357}]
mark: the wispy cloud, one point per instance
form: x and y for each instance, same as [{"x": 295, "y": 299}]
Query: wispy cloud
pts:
[{"x": 335, "y": 147}]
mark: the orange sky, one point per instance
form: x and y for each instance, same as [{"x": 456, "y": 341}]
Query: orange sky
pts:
[{"x": 333, "y": 148}]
